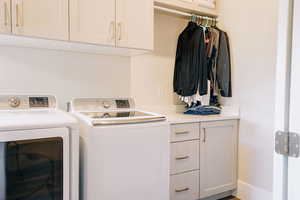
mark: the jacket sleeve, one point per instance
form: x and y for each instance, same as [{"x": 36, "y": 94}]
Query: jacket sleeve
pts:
[
  {"x": 224, "y": 66},
  {"x": 178, "y": 63},
  {"x": 203, "y": 65}
]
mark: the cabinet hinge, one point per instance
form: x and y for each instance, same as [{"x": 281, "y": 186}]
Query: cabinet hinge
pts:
[{"x": 287, "y": 144}]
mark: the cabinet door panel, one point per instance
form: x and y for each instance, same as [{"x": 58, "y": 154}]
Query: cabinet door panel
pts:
[
  {"x": 40, "y": 18},
  {"x": 5, "y": 16},
  {"x": 135, "y": 24},
  {"x": 218, "y": 158},
  {"x": 93, "y": 21}
]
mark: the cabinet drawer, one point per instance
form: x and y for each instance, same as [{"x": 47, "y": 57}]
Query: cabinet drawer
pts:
[
  {"x": 182, "y": 132},
  {"x": 185, "y": 186},
  {"x": 184, "y": 156}
]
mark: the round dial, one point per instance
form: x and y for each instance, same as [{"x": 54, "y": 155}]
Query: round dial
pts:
[{"x": 14, "y": 102}]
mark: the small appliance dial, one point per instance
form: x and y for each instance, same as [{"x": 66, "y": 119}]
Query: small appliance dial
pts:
[{"x": 14, "y": 102}]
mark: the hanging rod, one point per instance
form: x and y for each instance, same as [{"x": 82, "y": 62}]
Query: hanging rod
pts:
[{"x": 184, "y": 13}]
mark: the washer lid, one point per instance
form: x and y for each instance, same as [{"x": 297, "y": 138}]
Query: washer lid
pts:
[
  {"x": 115, "y": 114},
  {"x": 121, "y": 117}
]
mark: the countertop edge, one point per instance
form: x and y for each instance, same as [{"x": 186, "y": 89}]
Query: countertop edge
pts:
[{"x": 204, "y": 119}]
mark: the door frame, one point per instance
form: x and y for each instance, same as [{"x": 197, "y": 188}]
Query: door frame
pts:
[{"x": 283, "y": 83}]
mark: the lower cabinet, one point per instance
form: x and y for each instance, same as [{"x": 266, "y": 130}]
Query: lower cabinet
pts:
[
  {"x": 204, "y": 161},
  {"x": 218, "y": 157}
]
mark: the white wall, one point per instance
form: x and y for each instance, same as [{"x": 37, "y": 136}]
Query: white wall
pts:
[
  {"x": 64, "y": 74},
  {"x": 252, "y": 28},
  {"x": 152, "y": 74}
]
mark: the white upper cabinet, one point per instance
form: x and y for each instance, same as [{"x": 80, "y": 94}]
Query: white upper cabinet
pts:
[
  {"x": 40, "y": 18},
  {"x": 135, "y": 24},
  {"x": 5, "y": 16},
  {"x": 127, "y": 24},
  {"x": 93, "y": 21},
  {"x": 218, "y": 157}
]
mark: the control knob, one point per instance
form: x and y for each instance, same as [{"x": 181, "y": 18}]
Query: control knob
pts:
[{"x": 14, "y": 102}]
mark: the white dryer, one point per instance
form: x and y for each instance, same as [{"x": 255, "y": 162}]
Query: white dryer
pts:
[
  {"x": 39, "y": 150},
  {"x": 124, "y": 151}
]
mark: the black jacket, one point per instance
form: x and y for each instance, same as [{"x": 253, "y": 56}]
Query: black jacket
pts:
[
  {"x": 224, "y": 66},
  {"x": 191, "y": 63}
]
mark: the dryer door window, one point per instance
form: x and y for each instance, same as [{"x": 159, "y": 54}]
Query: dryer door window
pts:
[{"x": 32, "y": 169}]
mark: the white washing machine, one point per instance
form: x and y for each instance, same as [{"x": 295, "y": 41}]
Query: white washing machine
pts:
[
  {"x": 39, "y": 150},
  {"x": 124, "y": 151}
]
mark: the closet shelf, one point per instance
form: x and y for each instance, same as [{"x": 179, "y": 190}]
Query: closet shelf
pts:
[{"x": 183, "y": 6}]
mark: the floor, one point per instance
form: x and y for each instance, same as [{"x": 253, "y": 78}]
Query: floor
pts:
[{"x": 230, "y": 198}]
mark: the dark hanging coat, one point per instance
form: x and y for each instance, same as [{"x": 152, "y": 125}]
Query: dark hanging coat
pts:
[
  {"x": 224, "y": 66},
  {"x": 191, "y": 64}
]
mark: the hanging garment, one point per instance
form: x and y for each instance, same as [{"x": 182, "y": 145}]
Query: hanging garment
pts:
[
  {"x": 224, "y": 66},
  {"x": 190, "y": 75},
  {"x": 212, "y": 55}
]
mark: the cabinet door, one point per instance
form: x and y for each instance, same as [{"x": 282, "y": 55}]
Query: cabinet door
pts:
[
  {"x": 40, "y": 18},
  {"x": 93, "y": 21},
  {"x": 218, "y": 158},
  {"x": 5, "y": 16},
  {"x": 135, "y": 27}
]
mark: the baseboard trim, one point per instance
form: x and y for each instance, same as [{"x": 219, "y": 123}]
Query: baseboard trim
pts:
[{"x": 249, "y": 192}]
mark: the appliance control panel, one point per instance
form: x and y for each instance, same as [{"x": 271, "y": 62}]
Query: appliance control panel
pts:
[
  {"x": 102, "y": 104},
  {"x": 13, "y": 102}
]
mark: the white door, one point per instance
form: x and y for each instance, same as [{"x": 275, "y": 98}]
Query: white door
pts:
[
  {"x": 218, "y": 158},
  {"x": 37, "y": 159},
  {"x": 294, "y": 125},
  {"x": 286, "y": 169},
  {"x": 5, "y": 16},
  {"x": 135, "y": 24},
  {"x": 41, "y": 18},
  {"x": 93, "y": 21}
]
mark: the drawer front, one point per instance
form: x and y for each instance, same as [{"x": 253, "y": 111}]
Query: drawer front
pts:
[
  {"x": 185, "y": 186},
  {"x": 184, "y": 156},
  {"x": 182, "y": 132}
]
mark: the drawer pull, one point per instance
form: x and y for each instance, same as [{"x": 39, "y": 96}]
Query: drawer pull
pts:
[
  {"x": 182, "y": 133},
  {"x": 182, "y": 157},
  {"x": 182, "y": 190}
]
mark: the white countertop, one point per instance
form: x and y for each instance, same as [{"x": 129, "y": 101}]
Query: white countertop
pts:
[{"x": 175, "y": 114}]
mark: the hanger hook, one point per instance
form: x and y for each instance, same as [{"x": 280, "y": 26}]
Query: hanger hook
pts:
[{"x": 206, "y": 21}]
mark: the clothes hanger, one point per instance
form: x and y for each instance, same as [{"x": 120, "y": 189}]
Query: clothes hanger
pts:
[
  {"x": 215, "y": 22},
  {"x": 194, "y": 18}
]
